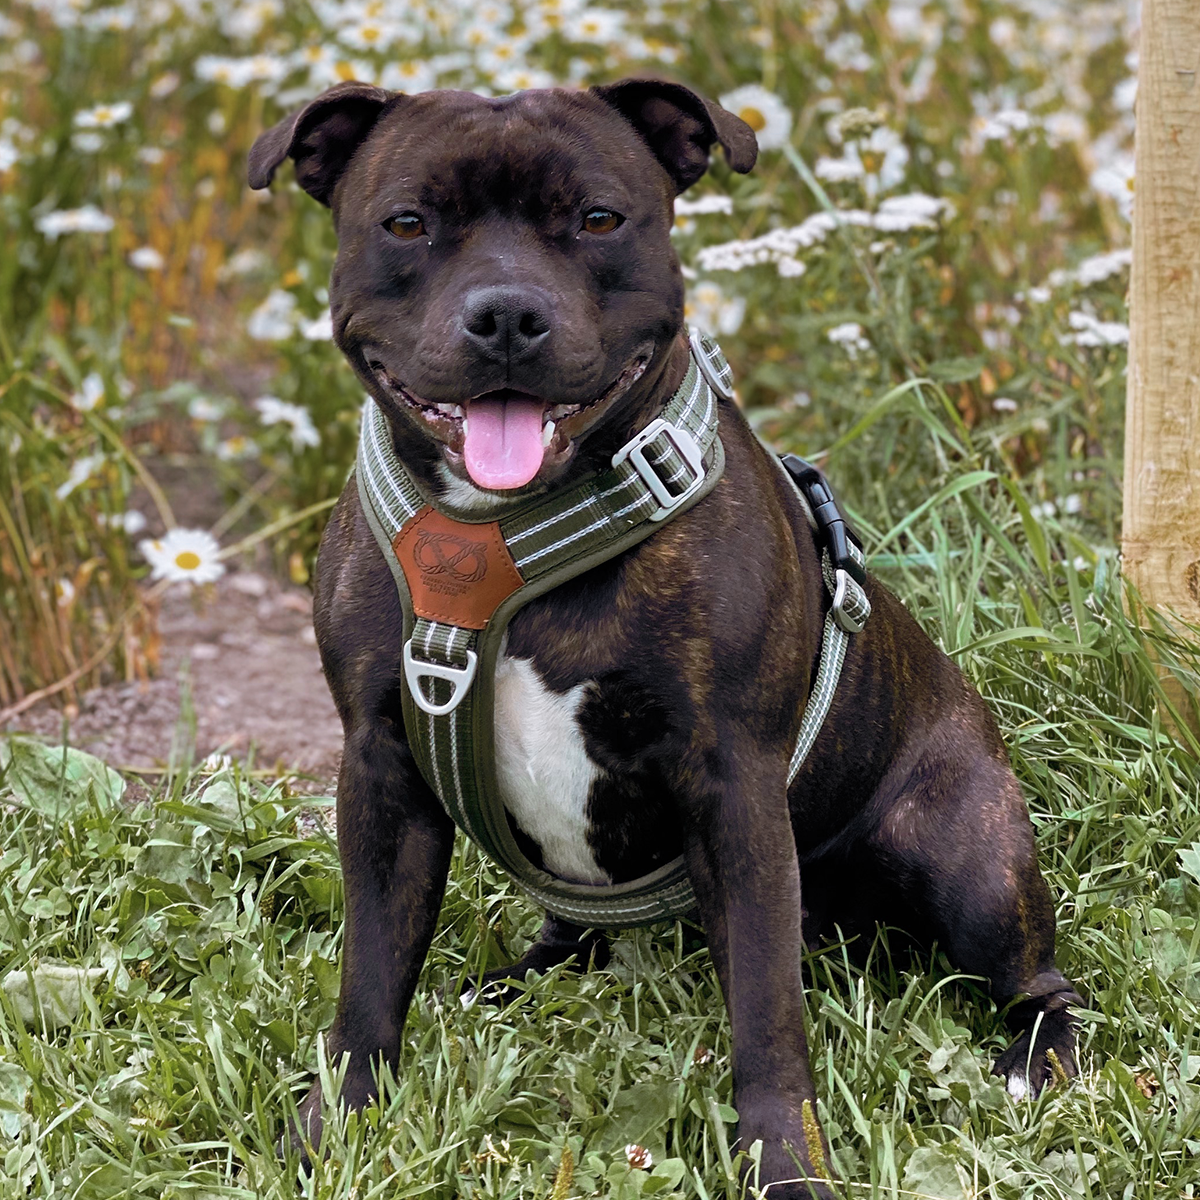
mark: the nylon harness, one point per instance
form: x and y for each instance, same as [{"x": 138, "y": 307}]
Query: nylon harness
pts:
[{"x": 461, "y": 577}]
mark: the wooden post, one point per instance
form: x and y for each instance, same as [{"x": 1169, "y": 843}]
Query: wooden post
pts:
[{"x": 1161, "y": 536}]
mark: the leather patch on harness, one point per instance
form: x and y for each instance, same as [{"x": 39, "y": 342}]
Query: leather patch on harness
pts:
[{"x": 456, "y": 573}]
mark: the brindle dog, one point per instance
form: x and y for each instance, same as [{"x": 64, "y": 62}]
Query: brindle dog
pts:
[{"x": 498, "y": 253}]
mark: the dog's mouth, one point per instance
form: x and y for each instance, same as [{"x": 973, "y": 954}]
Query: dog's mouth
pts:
[{"x": 506, "y": 436}]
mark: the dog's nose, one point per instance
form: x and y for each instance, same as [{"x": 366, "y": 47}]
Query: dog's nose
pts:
[{"x": 507, "y": 322}]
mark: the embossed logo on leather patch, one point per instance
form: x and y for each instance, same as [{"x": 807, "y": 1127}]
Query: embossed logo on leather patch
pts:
[
  {"x": 456, "y": 572},
  {"x": 458, "y": 559}
]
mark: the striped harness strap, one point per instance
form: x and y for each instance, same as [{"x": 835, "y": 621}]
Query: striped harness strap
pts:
[{"x": 461, "y": 577}]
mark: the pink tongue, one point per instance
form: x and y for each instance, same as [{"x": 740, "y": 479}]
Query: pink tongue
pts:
[{"x": 503, "y": 447}]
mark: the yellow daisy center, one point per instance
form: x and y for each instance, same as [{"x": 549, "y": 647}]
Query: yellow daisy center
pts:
[
  {"x": 187, "y": 560},
  {"x": 753, "y": 117}
]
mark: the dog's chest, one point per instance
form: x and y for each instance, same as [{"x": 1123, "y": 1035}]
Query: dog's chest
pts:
[{"x": 543, "y": 768}]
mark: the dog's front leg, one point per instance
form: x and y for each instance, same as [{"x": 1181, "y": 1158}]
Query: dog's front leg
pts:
[
  {"x": 741, "y": 855},
  {"x": 394, "y": 841}
]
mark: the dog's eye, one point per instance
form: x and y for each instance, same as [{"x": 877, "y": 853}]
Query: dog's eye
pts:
[
  {"x": 406, "y": 225},
  {"x": 602, "y": 220}
]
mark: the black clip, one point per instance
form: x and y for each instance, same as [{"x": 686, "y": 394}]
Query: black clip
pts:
[{"x": 831, "y": 525}]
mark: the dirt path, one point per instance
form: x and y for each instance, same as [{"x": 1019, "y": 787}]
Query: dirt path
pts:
[{"x": 244, "y": 662}]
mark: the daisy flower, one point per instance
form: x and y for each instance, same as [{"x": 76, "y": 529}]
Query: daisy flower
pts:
[
  {"x": 183, "y": 556},
  {"x": 763, "y": 111},
  {"x": 104, "y": 116},
  {"x": 273, "y": 411}
]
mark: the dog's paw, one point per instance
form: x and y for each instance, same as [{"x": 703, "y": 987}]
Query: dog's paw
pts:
[{"x": 1028, "y": 1066}]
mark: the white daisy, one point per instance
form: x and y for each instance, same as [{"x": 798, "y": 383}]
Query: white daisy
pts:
[
  {"x": 104, "y": 116},
  {"x": 183, "y": 556},
  {"x": 273, "y": 411},
  {"x": 763, "y": 111}
]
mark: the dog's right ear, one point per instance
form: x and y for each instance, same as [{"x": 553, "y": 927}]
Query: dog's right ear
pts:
[{"x": 321, "y": 137}]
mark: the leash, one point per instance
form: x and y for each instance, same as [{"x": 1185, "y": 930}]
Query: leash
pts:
[{"x": 461, "y": 577}]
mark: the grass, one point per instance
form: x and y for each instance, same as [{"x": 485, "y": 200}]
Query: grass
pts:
[{"x": 212, "y": 927}]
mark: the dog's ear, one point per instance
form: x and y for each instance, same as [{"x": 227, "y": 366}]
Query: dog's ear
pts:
[
  {"x": 321, "y": 137},
  {"x": 681, "y": 127}
]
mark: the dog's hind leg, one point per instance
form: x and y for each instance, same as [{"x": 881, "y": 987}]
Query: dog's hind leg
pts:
[
  {"x": 959, "y": 844},
  {"x": 558, "y": 942}
]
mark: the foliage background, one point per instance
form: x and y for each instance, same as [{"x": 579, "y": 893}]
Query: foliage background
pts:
[{"x": 922, "y": 283}]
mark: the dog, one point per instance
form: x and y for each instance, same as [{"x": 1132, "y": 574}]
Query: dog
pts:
[{"x": 506, "y": 290}]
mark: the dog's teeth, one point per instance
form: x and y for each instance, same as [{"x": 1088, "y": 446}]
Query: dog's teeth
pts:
[
  {"x": 547, "y": 432},
  {"x": 448, "y": 409},
  {"x": 458, "y": 411},
  {"x": 464, "y": 426}
]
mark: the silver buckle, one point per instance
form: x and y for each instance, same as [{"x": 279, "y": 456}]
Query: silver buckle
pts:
[
  {"x": 635, "y": 451},
  {"x": 460, "y": 677},
  {"x": 703, "y": 360},
  {"x": 840, "y": 615}
]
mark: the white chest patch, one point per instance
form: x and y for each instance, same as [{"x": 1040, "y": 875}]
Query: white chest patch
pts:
[{"x": 543, "y": 769}]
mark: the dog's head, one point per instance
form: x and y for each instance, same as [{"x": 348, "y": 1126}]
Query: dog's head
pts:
[{"x": 505, "y": 284}]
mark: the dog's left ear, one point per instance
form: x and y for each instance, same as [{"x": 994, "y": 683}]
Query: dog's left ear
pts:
[
  {"x": 321, "y": 137},
  {"x": 681, "y": 126}
]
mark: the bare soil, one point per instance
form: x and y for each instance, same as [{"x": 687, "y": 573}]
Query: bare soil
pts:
[{"x": 239, "y": 660}]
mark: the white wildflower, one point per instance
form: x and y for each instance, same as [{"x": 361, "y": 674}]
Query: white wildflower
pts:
[
  {"x": 1005, "y": 404},
  {"x": 1115, "y": 178},
  {"x": 88, "y": 219},
  {"x": 274, "y": 320},
  {"x": 203, "y": 408},
  {"x": 709, "y": 309},
  {"x": 1102, "y": 266},
  {"x": 146, "y": 258},
  {"x": 850, "y": 337},
  {"x": 778, "y": 244},
  {"x": 273, "y": 411},
  {"x": 411, "y": 76},
  {"x": 912, "y": 211},
  {"x": 594, "y": 25},
  {"x": 763, "y": 111},
  {"x": 1092, "y": 332},
  {"x": 164, "y": 85},
  {"x": 1000, "y": 126},
  {"x": 243, "y": 262},
  {"x": 1072, "y": 504},
  {"x": 131, "y": 522},
  {"x": 237, "y": 449},
  {"x": 87, "y": 141},
  {"x": 703, "y": 205},
  {"x": 104, "y": 116},
  {"x": 838, "y": 170},
  {"x": 82, "y": 469},
  {"x": 65, "y": 592},
  {"x": 9, "y": 155},
  {"x": 319, "y": 329},
  {"x": 183, "y": 556},
  {"x": 372, "y": 34},
  {"x": 790, "y": 268},
  {"x": 90, "y": 393},
  {"x": 847, "y": 53},
  {"x": 243, "y": 21}
]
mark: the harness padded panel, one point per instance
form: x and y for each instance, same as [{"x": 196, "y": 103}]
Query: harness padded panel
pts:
[{"x": 456, "y": 573}]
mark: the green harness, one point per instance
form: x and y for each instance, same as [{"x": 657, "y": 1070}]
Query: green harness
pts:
[{"x": 471, "y": 573}]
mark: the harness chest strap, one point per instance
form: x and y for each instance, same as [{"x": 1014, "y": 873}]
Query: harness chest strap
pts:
[{"x": 461, "y": 579}]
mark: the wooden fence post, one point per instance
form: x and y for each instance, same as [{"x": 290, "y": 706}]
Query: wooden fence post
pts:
[{"x": 1161, "y": 533}]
